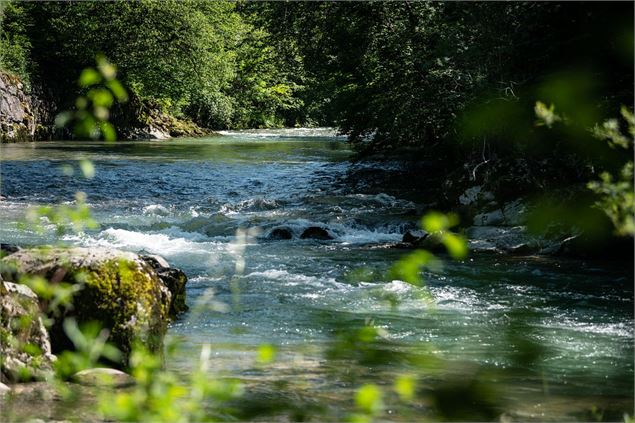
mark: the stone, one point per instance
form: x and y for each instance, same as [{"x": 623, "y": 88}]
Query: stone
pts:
[
  {"x": 174, "y": 279},
  {"x": 281, "y": 233},
  {"x": 16, "y": 112},
  {"x": 432, "y": 243},
  {"x": 147, "y": 133},
  {"x": 316, "y": 232},
  {"x": 103, "y": 376},
  {"x": 414, "y": 236},
  {"x": 515, "y": 213},
  {"x": 512, "y": 240},
  {"x": 522, "y": 249},
  {"x": 493, "y": 218},
  {"x": 4, "y": 389},
  {"x": 475, "y": 195},
  {"x": 118, "y": 289},
  {"x": 469, "y": 196},
  {"x": 8, "y": 248},
  {"x": 25, "y": 345}
]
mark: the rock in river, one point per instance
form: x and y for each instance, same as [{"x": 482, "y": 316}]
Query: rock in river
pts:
[
  {"x": 103, "y": 376},
  {"x": 130, "y": 296},
  {"x": 316, "y": 232},
  {"x": 25, "y": 346},
  {"x": 414, "y": 236},
  {"x": 280, "y": 233}
]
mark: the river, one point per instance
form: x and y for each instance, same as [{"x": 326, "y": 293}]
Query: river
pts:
[{"x": 186, "y": 199}]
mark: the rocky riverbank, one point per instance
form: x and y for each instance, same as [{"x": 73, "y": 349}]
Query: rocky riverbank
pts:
[
  {"x": 29, "y": 115},
  {"x": 132, "y": 297}
]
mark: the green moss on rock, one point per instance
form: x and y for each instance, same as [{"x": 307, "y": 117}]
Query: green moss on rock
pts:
[{"x": 117, "y": 289}]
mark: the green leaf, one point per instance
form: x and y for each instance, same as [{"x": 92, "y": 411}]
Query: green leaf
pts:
[
  {"x": 118, "y": 90},
  {"x": 107, "y": 69},
  {"x": 81, "y": 102},
  {"x": 456, "y": 245},
  {"x": 88, "y": 77},
  {"x": 266, "y": 353},
  {"x": 405, "y": 387},
  {"x": 108, "y": 131},
  {"x": 100, "y": 97},
  {"x": 62, "y": 119},
  {"x": 368, "y": 399},
  {"x": 87, "y": 168},
  {"x": 408, "y": 268},
  {"x": 435, "y": 221}
]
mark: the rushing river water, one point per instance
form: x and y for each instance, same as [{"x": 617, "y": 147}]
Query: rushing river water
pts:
[{"x": 185, "y": 200}]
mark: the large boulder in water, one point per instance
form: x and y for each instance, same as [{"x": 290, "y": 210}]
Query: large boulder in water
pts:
[
  {"x": 121, "y": 291},
  {"x": 316, "y": 232},
  {"x": 25, "y": 346}
]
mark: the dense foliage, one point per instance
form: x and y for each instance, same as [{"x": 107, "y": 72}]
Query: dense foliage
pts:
[
  {"x": 389, "y": 74},
  {"x": 400, "y": 73},
  {"x": 198, "y": 58}
]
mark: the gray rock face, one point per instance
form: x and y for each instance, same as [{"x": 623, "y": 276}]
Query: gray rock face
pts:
[
  {"x": 25, "y": 346},
  {"x": 148, "y": 133},
  {"x": 17, "y": 120}
]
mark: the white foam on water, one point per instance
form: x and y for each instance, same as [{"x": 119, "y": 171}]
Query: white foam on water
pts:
[
  {"x": 295, "y": 279},
  {"x": 156, "y": 209},
  {"x": 361, "y": 236},
  {"x": 383, "y": 199},
  {"x": 611, "y": 329},
  {"x": 173, "y": 244},
  {"x": 284, "y": 133},
  {"x": 251, "y": 204},
  {"x": 456, "y": 298},
  {"x": 399, "y": 287}
]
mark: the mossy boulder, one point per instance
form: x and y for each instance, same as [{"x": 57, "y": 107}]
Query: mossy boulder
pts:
[{"x": 121, "y": 291}]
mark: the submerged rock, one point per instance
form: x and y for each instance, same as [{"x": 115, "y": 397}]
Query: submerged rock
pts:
[
  {"x": 316, "y": 232},
  {"x": 121, "y": 291},
  {"x": 25, "y": 346}
]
